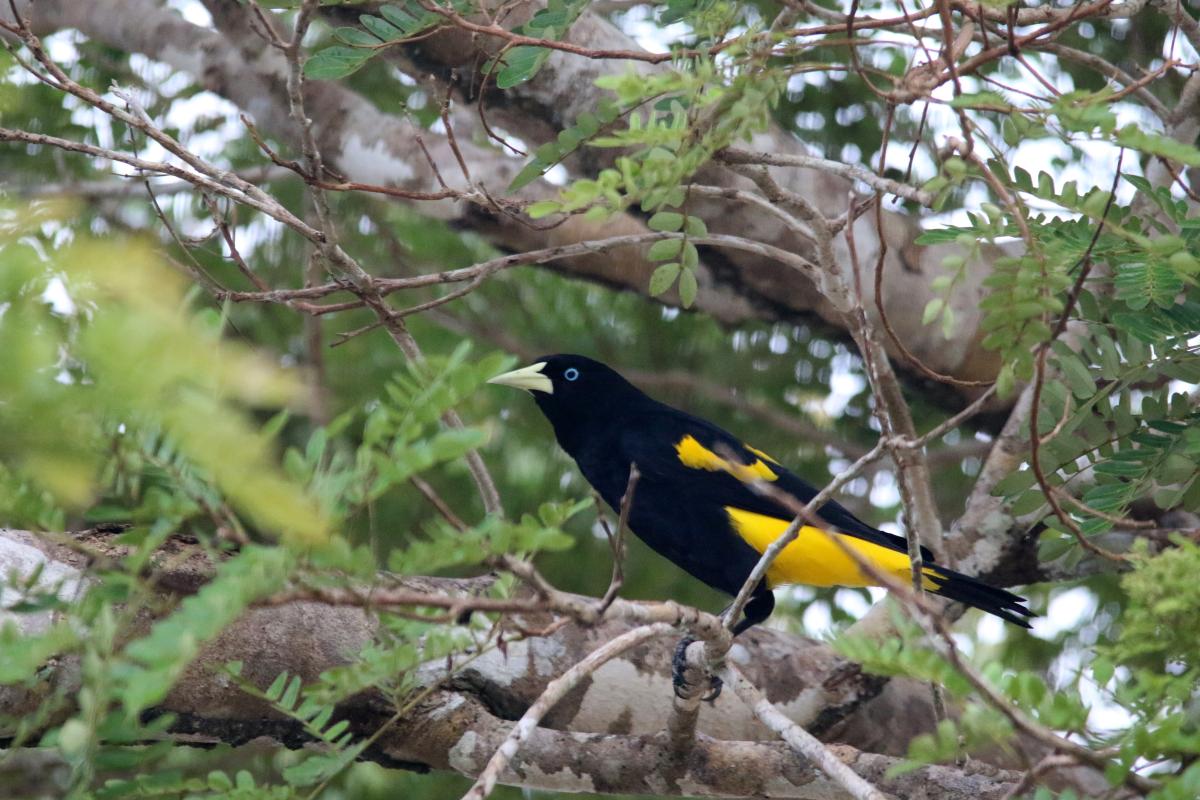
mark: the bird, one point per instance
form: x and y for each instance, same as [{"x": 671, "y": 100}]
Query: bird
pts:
[{"x": 699, "y": 500}]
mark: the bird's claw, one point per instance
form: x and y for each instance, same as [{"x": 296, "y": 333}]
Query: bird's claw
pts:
[
  {"x": 679, "y": 668},
  {"x": 684, "y": 688},
  {"x": 715, "y": 685}
]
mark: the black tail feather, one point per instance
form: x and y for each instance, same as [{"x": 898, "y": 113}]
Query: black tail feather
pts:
[{"x": 977, "y": 594}]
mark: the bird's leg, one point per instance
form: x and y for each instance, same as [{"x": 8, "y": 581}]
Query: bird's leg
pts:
[{"x": 761, "y": 604}]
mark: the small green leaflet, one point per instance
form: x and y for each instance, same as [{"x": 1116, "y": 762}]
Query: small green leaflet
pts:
[
  {"x": 395, "y": 24},
  {"x": 688, "y": 287},
  {"x": 663, "y": 278},
  {"x": 520, "y": 64},
  {"x": 336, "y": 62},
  {"x": 550, "y": 153},
  {"x": 1141, "y": 284},
  {"x": 1157, "y": 145}
]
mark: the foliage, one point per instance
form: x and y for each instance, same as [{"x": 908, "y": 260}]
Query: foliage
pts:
[
  {"x": 690, "y": 114},
  {"x": 182, "y": 458},
  {"x": 394, "y": 25},
  {"x": 1108, "y": 437},
  {"x": 398, "y": 24},
  {"x": 65, "y": 377},
  {"x": 1154, "y": 631}
]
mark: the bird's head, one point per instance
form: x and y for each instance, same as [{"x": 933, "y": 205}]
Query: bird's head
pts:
[{"x": 572, "y": 389}]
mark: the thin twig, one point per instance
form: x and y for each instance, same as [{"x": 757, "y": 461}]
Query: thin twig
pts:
[
  {"x": 733, "y": 156},
  {"x": 617, "y": 541},
  {"x": 386, "y": 286},
  {"x": 438, "y": 503},
  {"x": 799, "y": 739}
]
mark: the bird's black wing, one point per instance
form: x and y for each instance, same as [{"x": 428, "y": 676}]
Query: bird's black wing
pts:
[{"x": 706, "y": 464}]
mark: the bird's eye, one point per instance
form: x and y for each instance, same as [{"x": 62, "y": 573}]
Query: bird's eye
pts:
[{"x": 571, "y": 373}]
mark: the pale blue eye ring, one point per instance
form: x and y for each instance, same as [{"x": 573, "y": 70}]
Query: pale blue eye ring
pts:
[{"x": 571, "y": 373}]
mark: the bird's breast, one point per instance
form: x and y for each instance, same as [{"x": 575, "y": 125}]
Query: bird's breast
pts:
[{"x": 609, "y": 476}]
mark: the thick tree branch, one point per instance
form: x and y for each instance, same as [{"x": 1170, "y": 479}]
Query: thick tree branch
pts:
[{"x": 615, "y": 721}]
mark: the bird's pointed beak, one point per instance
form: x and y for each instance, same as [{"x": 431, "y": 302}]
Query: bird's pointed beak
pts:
[{"x": 530, "y": 378}]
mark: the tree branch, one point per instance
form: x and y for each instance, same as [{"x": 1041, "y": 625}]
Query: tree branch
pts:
[{"x": 458, "y": 727}]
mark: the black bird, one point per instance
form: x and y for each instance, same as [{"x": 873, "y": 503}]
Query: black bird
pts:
[{"x": 694, "y": 503}]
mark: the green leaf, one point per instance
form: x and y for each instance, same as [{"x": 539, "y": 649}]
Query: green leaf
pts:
[
  {"x": 1184, "y": 262},
  {"x": 291, "y": 694},
  {"x": 588, "y": 124},
  {"x": 1005, "y": 381},
  {"x": 569, "y": 138},
  {"x": 667, "y": 221},
  {"x": 543, "y": 208},
  {"x": 932, "y": 309},
  {"x": 607, "y": 111},
  {"x": 520, "y": 64},
  {"x": 1027, "y": 502},
  {"x": 336, "y": 730},
  {"x": 1139, "y": 285},
  {"x": 385, "y": 31},
  {"x": 1169, "y": 497},
  {"x": 322, "y": 718},
  {"x": 1154, "y": 144},
  {"x": 275, "y": 424},
  {"x": 687, "y": 287},
  {"x": 528, "y": 174},
  {"x": 219, "y": 781},
  {"x": 1078, "y": 376},
  {"x": 989, "y": 101},
  {"x": 663, "y": 278},
  {"x": 335, "y": 62},
  {"x": 1083, "y": 112},
  {"x": 1014, "y": 482},
  {"x": 691, "y": 256},
  {"x": 1010, "y": 133},
  {"x": 943, "y": 235},
  {"x": 664, "y": 249},
  {"x": 399, "y": 17},
  {"x": 356, "y": 37},
  {"x": 411, "y": 20},
  {"x": 275, "y": 690},
  {"x": 1053, "y": 545}
]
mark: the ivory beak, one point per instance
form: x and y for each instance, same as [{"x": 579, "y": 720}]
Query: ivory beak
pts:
[{"x": 530, "y": 378}]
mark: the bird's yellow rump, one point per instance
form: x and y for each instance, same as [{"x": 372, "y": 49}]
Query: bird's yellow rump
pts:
[{"x": 814, "y": 558}]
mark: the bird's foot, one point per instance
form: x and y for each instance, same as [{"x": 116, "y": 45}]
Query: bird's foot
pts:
[{"x": 685, "y": 677}]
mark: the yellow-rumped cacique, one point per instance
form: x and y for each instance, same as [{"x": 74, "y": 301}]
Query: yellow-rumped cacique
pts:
[{"x": 695, "y": 501}]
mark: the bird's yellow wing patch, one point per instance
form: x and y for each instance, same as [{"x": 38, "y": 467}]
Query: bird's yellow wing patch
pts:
[
  {"x": 695, "y": 455},
  {"x": 760, "y": 454},
  {"x": 814, "y": 558}
]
